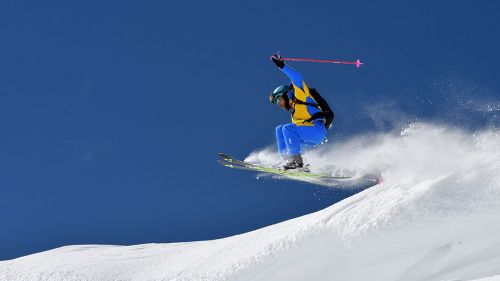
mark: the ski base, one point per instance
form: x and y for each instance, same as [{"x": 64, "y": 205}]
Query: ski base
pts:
[{"x": 299, "y": 174}]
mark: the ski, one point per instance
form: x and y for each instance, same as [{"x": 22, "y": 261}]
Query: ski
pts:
[
  {"x": 232, "y": 162},
  {"x": 235, "y": 161}
]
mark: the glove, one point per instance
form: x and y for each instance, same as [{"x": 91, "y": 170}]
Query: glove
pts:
[{"x": 276, "y": 58}]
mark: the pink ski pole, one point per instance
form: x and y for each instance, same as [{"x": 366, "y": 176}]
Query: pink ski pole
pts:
[{"x": 357, "y": 62}]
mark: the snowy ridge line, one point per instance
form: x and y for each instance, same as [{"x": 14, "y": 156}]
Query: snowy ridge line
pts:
[{"x": 435, "y": 217}]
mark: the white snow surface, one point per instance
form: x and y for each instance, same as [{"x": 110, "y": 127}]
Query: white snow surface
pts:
[{"x": 436, "y": 216}]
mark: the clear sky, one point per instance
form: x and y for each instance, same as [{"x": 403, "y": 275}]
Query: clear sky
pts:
[{"x": 112, "y": 112}]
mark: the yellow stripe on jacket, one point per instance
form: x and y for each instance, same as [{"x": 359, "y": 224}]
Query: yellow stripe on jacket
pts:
[{"x": 300, "y": 113}]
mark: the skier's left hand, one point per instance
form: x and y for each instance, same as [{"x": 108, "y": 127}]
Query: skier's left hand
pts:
[{"x": 276, "y": 58}]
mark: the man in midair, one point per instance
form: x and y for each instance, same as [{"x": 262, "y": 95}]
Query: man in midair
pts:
[{"x": 311, "y": 116}]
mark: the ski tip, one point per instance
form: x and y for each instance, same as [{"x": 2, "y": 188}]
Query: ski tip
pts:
[
  {"x": 223, "y": 155},
  {"x": 225, "y": 164}
]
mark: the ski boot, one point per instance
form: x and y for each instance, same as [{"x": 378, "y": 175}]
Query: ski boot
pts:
[{"x": 295, "y": 162}]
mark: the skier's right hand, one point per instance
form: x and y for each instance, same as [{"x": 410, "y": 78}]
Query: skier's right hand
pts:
[{"x": 278, "y": 61}]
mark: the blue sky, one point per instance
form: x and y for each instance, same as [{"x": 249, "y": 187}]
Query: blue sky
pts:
[{"x": 111, "y": 113}]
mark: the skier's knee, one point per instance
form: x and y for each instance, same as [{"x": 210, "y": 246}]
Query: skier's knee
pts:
[
  {"x": 279, "y": 128},
  {"x": 288, "y": 127}
]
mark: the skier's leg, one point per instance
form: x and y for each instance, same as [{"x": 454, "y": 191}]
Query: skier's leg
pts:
[
  {"x": 280, "y": 140},
  {"x": 311, "y": 136},
  {"x": 292, "y": 139}
]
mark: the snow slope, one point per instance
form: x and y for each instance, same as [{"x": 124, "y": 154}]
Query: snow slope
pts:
[{"x": 436, "y": 216}]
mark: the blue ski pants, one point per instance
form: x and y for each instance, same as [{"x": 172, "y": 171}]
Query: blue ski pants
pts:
[{"x": 292, "y": 139}]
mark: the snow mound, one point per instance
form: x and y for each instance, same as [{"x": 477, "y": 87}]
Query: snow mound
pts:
[{"x": 435, "y": 217}]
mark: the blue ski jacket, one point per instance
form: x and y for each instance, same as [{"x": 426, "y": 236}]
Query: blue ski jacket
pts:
[{"x": 301, "y": 113}]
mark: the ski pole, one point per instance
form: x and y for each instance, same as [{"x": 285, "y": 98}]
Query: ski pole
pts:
[{"x": 357, "y": 62}]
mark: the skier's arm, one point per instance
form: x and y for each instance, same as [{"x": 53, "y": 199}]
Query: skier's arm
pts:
[
  {"x": 293, "y": 75},
  {"x": 289, "y": 71}
]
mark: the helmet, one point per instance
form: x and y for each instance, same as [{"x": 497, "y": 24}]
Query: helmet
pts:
[{"x": 279, "y": 92}]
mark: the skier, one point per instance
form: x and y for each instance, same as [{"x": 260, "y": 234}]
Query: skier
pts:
[{"x": 311, "y": 116}]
